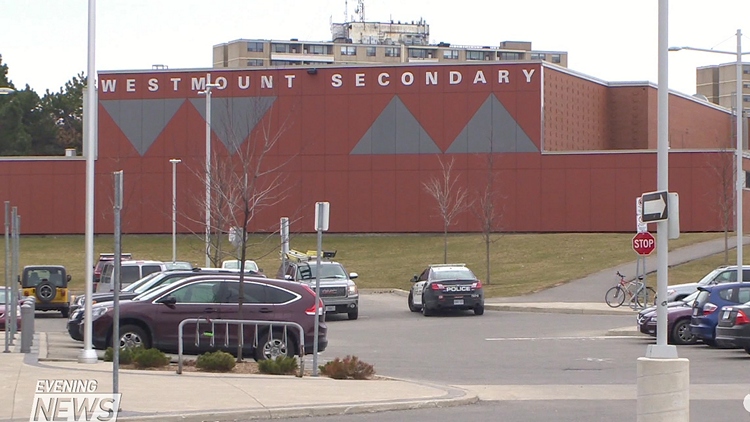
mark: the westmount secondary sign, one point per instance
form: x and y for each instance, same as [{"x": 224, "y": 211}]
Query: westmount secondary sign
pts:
[{"x": 269, "y": 79}]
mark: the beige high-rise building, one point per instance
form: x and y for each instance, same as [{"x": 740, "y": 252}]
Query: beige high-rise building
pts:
[
  {"x": 362, "y": 43},
  {"x": 719, "y": 83}
]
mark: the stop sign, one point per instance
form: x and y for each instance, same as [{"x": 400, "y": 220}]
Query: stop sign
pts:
[{"x": 644, "y": 243}]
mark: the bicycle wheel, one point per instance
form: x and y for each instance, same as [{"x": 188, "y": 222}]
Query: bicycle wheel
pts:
[
  {"x": 615, "y": 297},
  {"x": 645, "y": 297}
]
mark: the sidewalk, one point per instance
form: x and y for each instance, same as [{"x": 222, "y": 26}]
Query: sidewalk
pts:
[{"x": 153, "y": 396}]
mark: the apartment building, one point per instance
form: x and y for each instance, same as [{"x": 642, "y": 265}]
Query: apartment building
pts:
[
  {"x": 363, "y": 43},
  {"x": 718, "y": 84}
]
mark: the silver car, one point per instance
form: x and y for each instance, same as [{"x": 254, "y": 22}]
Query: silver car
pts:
[{"x": 723, "y": 274}]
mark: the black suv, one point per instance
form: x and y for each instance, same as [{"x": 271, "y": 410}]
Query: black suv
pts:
[
  {"x": 446, "y": 286},
  {"x": 147, "y": 283}
]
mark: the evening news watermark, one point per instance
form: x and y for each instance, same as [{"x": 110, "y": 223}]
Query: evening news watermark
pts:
[{"x": 73, "y": 400}]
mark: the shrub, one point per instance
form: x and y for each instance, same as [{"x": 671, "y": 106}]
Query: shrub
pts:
[
  {"x": 282, "y": 365},
  {"x": 348, "y": 368},
  {"x": 126, "y": 355},
  {"x": 218, "y": 361},
  {"x": 150, "y": 358}
]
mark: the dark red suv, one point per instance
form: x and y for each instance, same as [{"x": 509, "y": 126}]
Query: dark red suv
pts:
[{"x": 153, "y": 318}]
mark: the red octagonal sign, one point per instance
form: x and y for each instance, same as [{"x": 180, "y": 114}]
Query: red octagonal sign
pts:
[{"x": 644, "y": 243}]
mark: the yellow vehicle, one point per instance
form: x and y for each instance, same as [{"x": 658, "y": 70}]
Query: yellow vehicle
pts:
[{"x": 49, "y": 284}]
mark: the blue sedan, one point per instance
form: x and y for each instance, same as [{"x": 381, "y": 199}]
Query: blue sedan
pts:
[{"x": 708, "y": 305}]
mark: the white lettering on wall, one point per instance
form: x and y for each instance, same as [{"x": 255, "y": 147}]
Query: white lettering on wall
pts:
[
  {"x": 336, "y": 80},
  {"x": 479, "y": 77},
  {"x": 130, "y": 84},
  {"x": 266, "y": 81},
  {"x": 383, "y": 79},
  {"x": 431, "y": 78},
  {"x": 175, "y": 83},
  {"x": 222, "y": 82},
  {"x": 359, "y": 79},
  {"x": 455, "y": 77},
  {"x": 243, "y": 82},
  {"x": 153, "y": 84},
  {"x": 289, "y": 79},
  {"x": 109, "y": 85},
  {"x": 502, "y": 77},
  {"x": 199, "y": 84},
  {"x": 407, "y": 78},
  {"x": 528, "y": 74}
]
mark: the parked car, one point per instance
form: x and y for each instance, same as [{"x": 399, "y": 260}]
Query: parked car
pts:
[
  {"x": 49, "y": 284},
  {"x": 733, "y": 329},
  {"x": 723, "y": 274},
  {"x": 707, "y": 307},
  {"x": 446, "y": 286},
  {"x": 3, "y": 314},
  {"x": 234, "y": 264},
  {"x": 150, "y": 282},
  {"x": 152, "y": 318},
  {"x": 337, "y": 288},
  {"x": 130, "y": 272},
  {"x": 678, "y": 321},
  {"x": 103, "y": 259}
]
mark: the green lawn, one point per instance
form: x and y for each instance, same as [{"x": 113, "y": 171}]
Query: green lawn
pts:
[{"x": 520, "y": 263}]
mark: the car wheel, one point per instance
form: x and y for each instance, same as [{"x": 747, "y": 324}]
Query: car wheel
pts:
[
  {"x": 272, "y": 345},
  {"x": 132, "y": 336},
  {"x": 479, "y": 310},
  {"x": 681, "y": 333},
  {"x": 353, "y": 314},
  {"x": 46, "y": 292},
  {"x": 65, "y": 312},
  {"x": 412, "y": 306},
  {"x": 425, "y": 310}
]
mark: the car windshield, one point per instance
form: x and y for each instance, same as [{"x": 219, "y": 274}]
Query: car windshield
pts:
[
  {"x": 133, "y": 287},
  {"x": 710, "y": 276},
  {"x": 690, "y": 299},
  {"x": 326, "y": 271},
  {"x": 153, "y": 293}
]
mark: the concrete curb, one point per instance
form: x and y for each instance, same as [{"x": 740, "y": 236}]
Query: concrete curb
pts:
[
  {"x": 455, "y": 397},
  {"x": 629, "y": 332},
  {"x": 546, "y": 308}
]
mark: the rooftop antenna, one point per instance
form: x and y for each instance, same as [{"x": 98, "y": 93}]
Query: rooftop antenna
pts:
[{"x": 360, "y": 10}]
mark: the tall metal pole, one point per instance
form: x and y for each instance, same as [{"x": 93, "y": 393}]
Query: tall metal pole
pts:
[
  {"x": 174, "y": 162},
  {"x": 14, "y": 259},
  {"x": 7, "y": 275},
  {"x": 317, "y": 296},
  {"x": 116, "y": 284},
  {"x": 661, "y": 349},
  {"x": 740, "y": 172},
  {"x": 88, "y": 355},
  {"x": 208, "y": 170}
]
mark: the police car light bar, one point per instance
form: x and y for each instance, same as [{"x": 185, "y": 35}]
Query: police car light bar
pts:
[
  {"x": 298, "y": 256},
  {"x": 447, "y": 265}
]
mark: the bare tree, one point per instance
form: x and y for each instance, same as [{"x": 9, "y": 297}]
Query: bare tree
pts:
[
  {"x": 488, "y": 211},
  {"x": 722, "y": 164},
  {"x": 451, "y": 198}
]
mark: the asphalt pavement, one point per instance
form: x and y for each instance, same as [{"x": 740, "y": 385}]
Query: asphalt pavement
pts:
[{"x": 154, "y": 395}]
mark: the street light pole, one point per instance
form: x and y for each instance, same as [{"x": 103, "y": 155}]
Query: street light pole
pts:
[
  {"x": 739, "y": 173},
  {"x": 174, "y": 162},
  {"x": 207, "y": 93}
]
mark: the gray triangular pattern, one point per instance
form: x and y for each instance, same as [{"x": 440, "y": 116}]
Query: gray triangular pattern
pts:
[
  {"x": 233, "y": 119},
  {"x": 142, "y": 120},
  {"x": 492, "y": 120},
  {"x": 395, "y": 131}
]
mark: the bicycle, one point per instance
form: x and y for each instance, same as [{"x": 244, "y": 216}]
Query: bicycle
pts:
[{"x": 640, "y": 294}]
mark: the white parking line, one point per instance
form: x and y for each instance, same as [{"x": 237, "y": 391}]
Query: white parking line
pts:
[{"x": 558, "y": 338}]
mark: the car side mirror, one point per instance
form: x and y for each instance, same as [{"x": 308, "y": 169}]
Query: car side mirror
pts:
[
  {"x": 68, "y": 278},
  {"x": 415, "y": 278},
  {"x": 168, "y": 300},
  {"x": 353, "y": 275}
]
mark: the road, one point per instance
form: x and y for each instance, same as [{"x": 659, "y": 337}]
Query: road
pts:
[{"x": 501, "y": 355}]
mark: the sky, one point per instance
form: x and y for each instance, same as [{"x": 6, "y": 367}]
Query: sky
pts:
[{"x": 45, "y": 42}]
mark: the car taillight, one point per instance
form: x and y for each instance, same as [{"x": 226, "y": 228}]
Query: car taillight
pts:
[
  {"x": 311, "y": 310},
  {"x": 742, "y": 319},
  {"x": 437, "y": 286},
  {"x": 477, "y": 285},
  {"x": 709, "y": 308}
]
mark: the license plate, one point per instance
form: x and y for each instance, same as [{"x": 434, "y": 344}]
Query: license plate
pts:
[
  {"x": 458, "y": 302},
  {"x": 725, "y": 314},
  {"x": 330, "y": 308}
]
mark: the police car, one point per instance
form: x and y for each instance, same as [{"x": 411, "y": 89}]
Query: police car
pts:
[{"x": 446, "y": 286}]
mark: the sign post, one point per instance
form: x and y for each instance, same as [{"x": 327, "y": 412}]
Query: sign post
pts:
[{"x": 322, "y": 211}]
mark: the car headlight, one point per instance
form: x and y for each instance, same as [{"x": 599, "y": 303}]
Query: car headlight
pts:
[
  {"x": 353, "y": 290},
  {"x": 98, "y": 311}
]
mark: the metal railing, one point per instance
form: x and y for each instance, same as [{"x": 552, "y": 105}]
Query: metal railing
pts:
[{"x": 240, "y": 323}]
